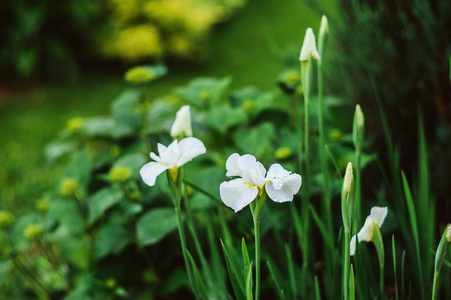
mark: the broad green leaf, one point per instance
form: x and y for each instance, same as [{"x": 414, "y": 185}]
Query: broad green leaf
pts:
[
  {"x": 133, "y": 161},
  {"x": 111, "y": 239},
  {"x": 125, "y": 101},
  {"x": 101, "y": 201},
  {"x": 204, "y": 92},
  {"x": 155, "y": 225},
  {"x": 58, "y": 148},
  {"x": 257, "y": 141},
  {"x": 107, "y": 127},
  {"x": 222, "y": 117}
]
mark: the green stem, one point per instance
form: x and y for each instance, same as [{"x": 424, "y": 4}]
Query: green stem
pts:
[
  {"x": 257, "y": 257},
  {"x": 346, "y": 263},
  {"x": 358, "y": 199},
  {"x": 176, "y": 199},
  {"x": 435, "y": 285},
  {"x": 193, "y": 232},
  {"x": 184, "y": 248},
  {"x": 381, "y": 275},
  {"x": 299, "y": 135}
]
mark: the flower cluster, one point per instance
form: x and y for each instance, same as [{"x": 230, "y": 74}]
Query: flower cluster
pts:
[
  {"x": 177, "y": 153},
  {"x": 279, "y": 184}
]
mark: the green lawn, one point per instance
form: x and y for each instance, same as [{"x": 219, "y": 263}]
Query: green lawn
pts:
[{"x": 248, "y": 48}]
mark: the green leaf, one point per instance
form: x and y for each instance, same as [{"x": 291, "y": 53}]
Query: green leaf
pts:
[
  {"x": 101, "y": 201},
  {"x": 111, "y": 239},
  {"x": 274, "y": 278},
  {"x": 155, "y": 225},
  {"x": 58, "y": 148},
  {"x": 107, "y": 127},
  {"x": 248, "y": 275},
  {"x": 204, "y": 92},
  {"x": 236, "y": 277},
  {"x": 125, "y": 101},
  {"x": 351, "y": 283},
  {"x": 222, "y": 117},
  {"x": 199, "y": 281},
  {"x": 246, "y": 259},
  {"x": 133, "y": 161},
  {"x": 257, "y": 140}
]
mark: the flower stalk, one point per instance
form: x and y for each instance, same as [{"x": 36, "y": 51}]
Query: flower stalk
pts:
[
  {"x": 442, "y": 248},
  {"x": 347, "y": 207},
  {"x": 175, "y": 187}
]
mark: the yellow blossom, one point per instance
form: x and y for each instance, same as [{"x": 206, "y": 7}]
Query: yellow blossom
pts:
[
  {"x": 33, "y": 231},
  {"x": 120, "y": 173},
  {"x": 6, "y": 219},
  {"x": 68, "y": 186}
]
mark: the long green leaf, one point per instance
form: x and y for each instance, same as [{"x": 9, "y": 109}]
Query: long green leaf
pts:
[
  {"x": 198, "y": 280},
  {"x": 394, "y": 266},
  {"x": 291, "y": 271},
  {"x": 414, "y": 226},
  {"x": 249, "y": 283},
  {"x": 351, "y": 284},
  {"x": 236, "y": 278},
  {"x": 274, "y": 277}
]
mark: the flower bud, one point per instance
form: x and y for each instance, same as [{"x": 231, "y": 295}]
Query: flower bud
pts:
[
  {"x": 358, "y": 127},
  {"x": 349, "y": 178},
  {"x": 182, "y": 124},
  {"x": 309, "y": 47},
  {"x": 324, "y": 27},
  {"x": 448, "y": 233}
]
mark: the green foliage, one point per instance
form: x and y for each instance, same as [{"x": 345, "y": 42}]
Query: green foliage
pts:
[
  {"x": 44, "y": 39},
  {"x": 107, "y": 235}
]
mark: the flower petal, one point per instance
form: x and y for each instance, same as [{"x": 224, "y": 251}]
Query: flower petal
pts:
[
  {"x": 190, "y": 148},
  {"x": 232, "y": 166},
  {"x": 281, "y": 184},
  {"x": 253, "y": 172},
  {"x": 246, "y": 161},
  {"x": 150, "y": 171},
  {"x": 378, "y": 215},
  {"x": 366, "y": 233},
  {"x": 236, "y": 194},
  {"x": 182, "y": 123},
  {"x": 170, "y": 155},
  {"x": 352, "y": 246}
]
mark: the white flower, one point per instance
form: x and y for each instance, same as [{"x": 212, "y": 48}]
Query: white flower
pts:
[
  {"x": 309, "y": 47},
  {"x": 182, "y": 123},
  {"x": 280, "y": 185},
  {"x": 376, "y": 218},
  {"x": 175, "y": 155}
]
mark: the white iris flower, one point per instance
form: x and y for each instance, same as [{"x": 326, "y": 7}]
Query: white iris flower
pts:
[
  {"x": 280, "y": 184},
  {"x": 309, "y": 47},
  {"x": 376, "y": 218},
  {"x": 182, "y": 123},
  {"x": 171, "y": 158}
]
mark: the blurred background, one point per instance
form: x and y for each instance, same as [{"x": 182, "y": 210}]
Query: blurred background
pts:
[{"x": 64, "y": 59}]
